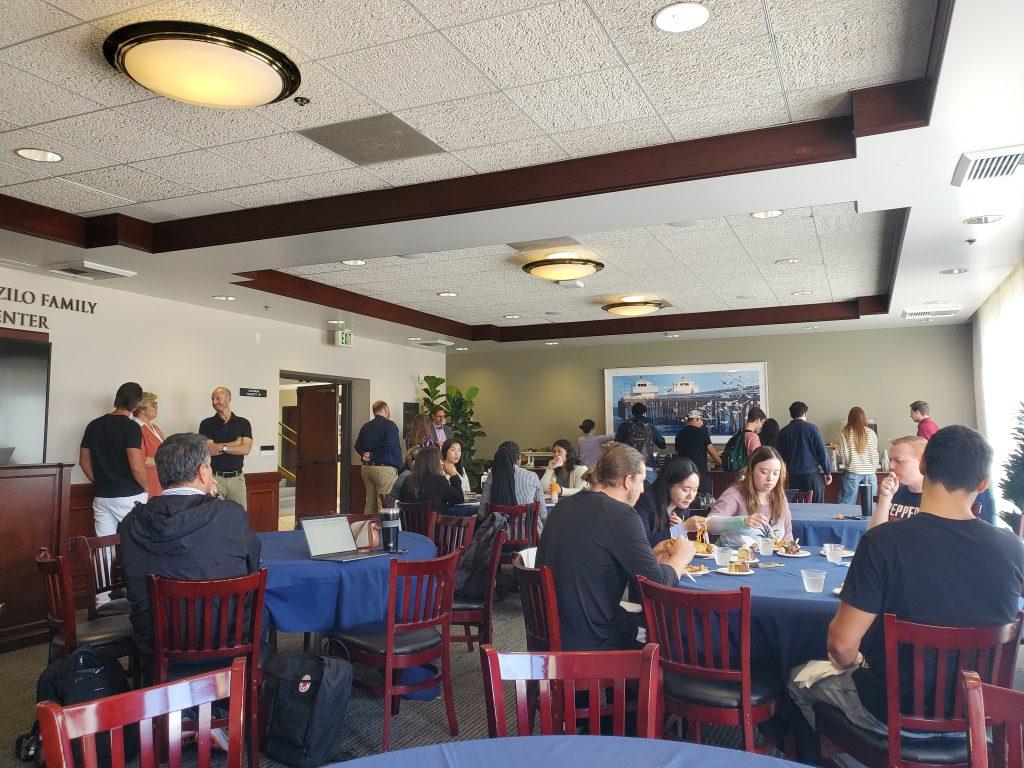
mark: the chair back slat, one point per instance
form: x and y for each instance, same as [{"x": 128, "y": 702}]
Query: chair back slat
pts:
[
  {"x": 521, "y": 520},
  {"x": 62, "y": 728},
  {"x": 935, "y": 659},
  {"x": 803, "y": 497},
  {"x": 453, "y": 533},
  {"x": 559, "y": 676},
  {"x": 420, "y": 594},
  {"x": 1001, "y": 709},
  {"x": 60, "y": 594},
  {"x": 540, "y": 608},
  {"x": 417, "y": 517}
]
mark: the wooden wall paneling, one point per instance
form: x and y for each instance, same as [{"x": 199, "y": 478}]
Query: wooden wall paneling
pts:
[
  {"x": 264, "y": 492},
  {"x": 357, "y": 492}
]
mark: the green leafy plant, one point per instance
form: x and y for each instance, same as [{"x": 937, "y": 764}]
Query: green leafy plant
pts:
[
  {"x": 459, "y": 407},
  {"x": 1012, "y": 484}
]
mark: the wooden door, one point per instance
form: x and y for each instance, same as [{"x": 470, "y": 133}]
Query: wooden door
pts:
[{"x": 317, "y": 452}]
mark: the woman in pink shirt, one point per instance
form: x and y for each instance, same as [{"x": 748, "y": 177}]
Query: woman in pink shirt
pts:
[{"x": 754, "y": 504}]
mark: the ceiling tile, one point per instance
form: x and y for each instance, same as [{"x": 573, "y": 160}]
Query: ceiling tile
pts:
[
  {"x": 73, "y": 59},
  {"x": 728, "y": 73},
  {"x": 115, "y": 135},
  {"x": 728, "y": 118},
  {"x": 417, "y": 170},
  {"x": 448, "y": 13},
  {"x": 283, "y": 156},
  {"x": 26, "y": 100},
  {"x": 202, "y": 126},
  {"x": 201, "y": 170},
  {"x": 376, "y": 139},
  {"x": 26, "y": 19},
  {"x": 787, "y": 14},
  {"x": 337, "y": 183},
  {"x": 472, "y": 122},
  {"x": 75, "y": 157},
  {"x": 94, "y": 9},
  {"x": 138, "y": 211},
  {"x": 517, "y": 154},
  {"x": 258, "y": 195},
  {"x": 408, "y": 73},
  {"x": 126, "y": 181},
  {"x": 583, "y": 101},
  {"x": 192, "y": 205},
  {"x": 614, "y": 137},
  {"x": 530, "y": 46},
  {"x": 330, "y": 101},
  {"x": 64, "y": 196},
  {"x": 328, "y": 27},
  {"x": 9, "y": 174}
]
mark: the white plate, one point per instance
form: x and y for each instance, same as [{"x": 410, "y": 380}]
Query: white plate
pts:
[
  {"x": 837, "y": 591},
  {"x": 846, "y": 553},
  {"x": 706, "y": 557},
  {"x": 801, "y": 553},
  {"x": 748, "y": 562},
  {"x": 727, "y": 572}
]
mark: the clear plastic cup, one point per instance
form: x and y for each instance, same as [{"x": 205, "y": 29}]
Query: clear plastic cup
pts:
[
  {"x": 723, "y": 556},
  {"x": 834, "y": 553},
  {"x": 765, "y": 547},
  {"x": 814, "y": 581}
]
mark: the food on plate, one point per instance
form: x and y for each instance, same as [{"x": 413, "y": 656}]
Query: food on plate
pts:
[
  {"x": 745, "y": 554},
  {"x": 696, "y": 570},
  {"x": 737, "y": 566},
  {"x": 789, "y": 547},
  {"x": 702, "y": 546}
]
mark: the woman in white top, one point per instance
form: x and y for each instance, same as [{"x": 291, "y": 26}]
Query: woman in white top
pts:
[
  {"x": 858, "y": 452},
  {"x": 451, "y": 459},
  {"x": 756, "y": 506},
  {"x": 564, "y": 468}
]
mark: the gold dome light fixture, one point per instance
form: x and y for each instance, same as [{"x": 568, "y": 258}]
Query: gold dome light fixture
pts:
[
  {"x": 562, "y": 265},
  {"x": 633, "y": 306},
  {"x": 203, "y": 65}
]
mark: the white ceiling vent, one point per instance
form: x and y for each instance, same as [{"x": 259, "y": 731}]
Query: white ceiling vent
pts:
[
  {"x": 435, "y": 343},
  {"x": 930, "y": 313},
  {"x": 987, "y": 164},
  {"x": 89, "y": 270}
]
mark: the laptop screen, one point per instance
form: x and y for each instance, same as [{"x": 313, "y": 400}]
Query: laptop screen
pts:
[{"x": 328, "y": 535}]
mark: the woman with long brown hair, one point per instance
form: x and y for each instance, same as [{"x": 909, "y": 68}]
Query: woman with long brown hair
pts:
[
  {"x": 756, "y": 505},
  {"x": 430, "y": 482},
  {"x": 858, "y": 452},
  {"x": 419, "y": 432}
]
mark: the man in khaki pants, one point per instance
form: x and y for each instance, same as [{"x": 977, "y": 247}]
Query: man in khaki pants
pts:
[
  {"x": 229, "y": 441},
  {"x": 381, "y": 453}
]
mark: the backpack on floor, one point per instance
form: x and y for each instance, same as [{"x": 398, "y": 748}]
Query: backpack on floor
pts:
[
  {"x": 474, "y": 566},
  {"x": 639, "y": 436},
  {"x": 307, "y": 695},
  {"x": 734, "y": 455}
]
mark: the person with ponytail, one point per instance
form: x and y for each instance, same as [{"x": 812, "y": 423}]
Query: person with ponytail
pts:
[
  {"x": 664, "y": 504},
  {"x": 755, "y": 506},
  {"x": 511, "y": 485}
]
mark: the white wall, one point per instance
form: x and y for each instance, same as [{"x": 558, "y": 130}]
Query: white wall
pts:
[
  {"x": 23, "y": 406},
  {"x": 181, "y": 352}
]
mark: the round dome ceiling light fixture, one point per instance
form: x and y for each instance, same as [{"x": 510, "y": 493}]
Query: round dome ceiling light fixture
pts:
[
  {"x": 562, "y": 265},
  {"x": 633, "y": 306},
  {"x": 203, "y": 65},
  {"x": 38, "y": 155},
  {"x": 681, "y": 17}
]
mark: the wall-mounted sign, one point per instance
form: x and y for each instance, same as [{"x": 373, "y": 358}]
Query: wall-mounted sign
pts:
[
  {"x": 46, "y": 300},
  {"x": 343, "y": 338},
  {"x": 250, "y": 392}
]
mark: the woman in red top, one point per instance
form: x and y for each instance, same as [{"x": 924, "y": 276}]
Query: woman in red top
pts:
[{"x": 145, "y": 413}]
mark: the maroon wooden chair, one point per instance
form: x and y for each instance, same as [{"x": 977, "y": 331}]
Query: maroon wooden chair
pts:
[
  {"x": 934, "y": 701},
  {"x": 708, "y": 678},
  {"x": 417, "y": 517},
  {"x": 469, "y": 612},
  {"x": 521, "y": 521},
  {"x": 803, "y": 497},
  {"x": 416, "y": 633},
  {"x": 99, "y": 558},
  {"x": 211, "y": 621},
  {"x": 559, "y": 676},
  {"x": 452, "y": 533},
  {"x": 157, "y": 711},
  {"x": 540, "y": 607},
  {"x": 1001, "y": 709},
  {"x": 112, "y": 633}
]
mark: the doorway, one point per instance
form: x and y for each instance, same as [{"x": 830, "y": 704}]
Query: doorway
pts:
[{"x": 314, "y": 435}]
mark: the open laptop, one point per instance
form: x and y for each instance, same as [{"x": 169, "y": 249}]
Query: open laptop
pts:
[{"x": 330, "y": 538}]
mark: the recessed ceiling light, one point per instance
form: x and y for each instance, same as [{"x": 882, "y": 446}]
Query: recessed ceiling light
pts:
[
  {"x": 38, "y": 155},
  {"x": 744, "y": 297},
  {"x": 554, "y": 312},
  {"x": 335, "y": 322},
  {"x": 766, "y": 214},
  {"x": 954, "y": 271},
  {"x": 787, "y": 262},
  {"x": 681, "y": 17},
  {"x": 990, "y": 218},
  {"x": 354, "y": 263},
  {"x": 415, "y": 338},
  {"x": 447, "y": 294},
  {"x": 550, "y": 343},
  {"x": 224, "y": 298},
  {"x": 511, "y": 317},
  {"x": 633, "y": 306},
  {"x": 671, "y": 335},
  {"x": 200, "y": 64},
  {"x": 934, "y": 302},
  {"x": 811, "y": 327},
  {"x": 562, "y": 265},
  {"x": 800, "y": 293},
  {"x": 633, "y": 298},
  {"x": 461, "y": 349}
]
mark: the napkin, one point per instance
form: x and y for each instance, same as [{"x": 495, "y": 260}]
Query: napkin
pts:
[{"x": 815, "y": 671}]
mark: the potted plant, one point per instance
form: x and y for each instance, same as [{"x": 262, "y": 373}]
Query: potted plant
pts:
[
  {"x": 459, "y": 407},
  {"x": 1012, "y": 484}
]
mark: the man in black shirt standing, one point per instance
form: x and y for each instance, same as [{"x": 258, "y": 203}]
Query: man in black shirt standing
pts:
[
  {"x": 942, "y": 567},
  {"x": 694, "y": 443},
  {"x": 229, "y": 440},
  {"x": 111, "y": 457}
]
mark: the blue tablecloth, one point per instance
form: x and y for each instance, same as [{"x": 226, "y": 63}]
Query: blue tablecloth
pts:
[
  {"x": 567, "y": 752},
  {"x": 473, "y": 507},
  {"x": 816, "y": 524}
]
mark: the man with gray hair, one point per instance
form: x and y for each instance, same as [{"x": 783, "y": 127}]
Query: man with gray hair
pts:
[{"x": 186, "y": 533}]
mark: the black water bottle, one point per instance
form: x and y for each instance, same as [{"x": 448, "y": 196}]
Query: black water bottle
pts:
[
  {"x": 867, "y": 502},
  {"x": 389, "y": 524}
]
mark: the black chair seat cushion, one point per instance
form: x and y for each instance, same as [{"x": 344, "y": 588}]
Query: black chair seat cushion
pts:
[
  {"x": 721, "y": 693},
  {"x": 102, "y": 631},
  {"x": 460, "y": 604},
  {"x": 114, "y": 607},
  {"x": 374, "y": 639},
  {"x": 941, "y": 749}
]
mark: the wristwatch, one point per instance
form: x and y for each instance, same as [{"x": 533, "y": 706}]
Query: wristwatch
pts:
[{"x": 223, "y": 449}]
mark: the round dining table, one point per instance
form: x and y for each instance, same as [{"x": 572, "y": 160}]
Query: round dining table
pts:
[
  {"x": 817, "y": 524},
  {"x": 567, "y": 752}
]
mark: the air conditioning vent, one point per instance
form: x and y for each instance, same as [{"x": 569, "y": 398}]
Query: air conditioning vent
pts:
[
  {"x": 930, "y": 313},
  {"x": 89, "y": 270},
  {"x": 435, "y": 343},
  {"x": 987, "y": 164}
]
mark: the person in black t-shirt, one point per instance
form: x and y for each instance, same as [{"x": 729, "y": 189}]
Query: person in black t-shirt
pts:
[
  {"x": 900, "y": 568},
  {"x": 694, "y": 443},
  {"x": 111, "y": 457},
  {"x": 899, "y": 493},
  {"x": 229, "y": 439}
]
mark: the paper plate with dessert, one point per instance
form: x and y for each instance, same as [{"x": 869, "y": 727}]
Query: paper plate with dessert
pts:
[
  {"x": 696, "y": 570},
  {"x": 846, "y": 553},
  {"x": 736, "y": 568},
  {"x": 745, "y": 554},
  {"x": 791, "y": 549}
]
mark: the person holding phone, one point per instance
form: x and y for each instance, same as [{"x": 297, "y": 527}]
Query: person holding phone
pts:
[{"x": 564, "y": 468}]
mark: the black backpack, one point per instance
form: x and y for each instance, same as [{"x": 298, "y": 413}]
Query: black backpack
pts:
[
  {"x": 638, "y": 435},
  {"x": 307, "y": 695},
  {"x": 472, "y": 571},
  {"x": 86, "y": 674}
]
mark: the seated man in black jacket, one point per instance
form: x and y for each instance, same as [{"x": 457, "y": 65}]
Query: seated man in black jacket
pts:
[{"x": 186, "y": 533}]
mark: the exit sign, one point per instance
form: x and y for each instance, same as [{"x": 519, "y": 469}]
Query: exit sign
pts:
[{"x": 343, "y": 338}]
